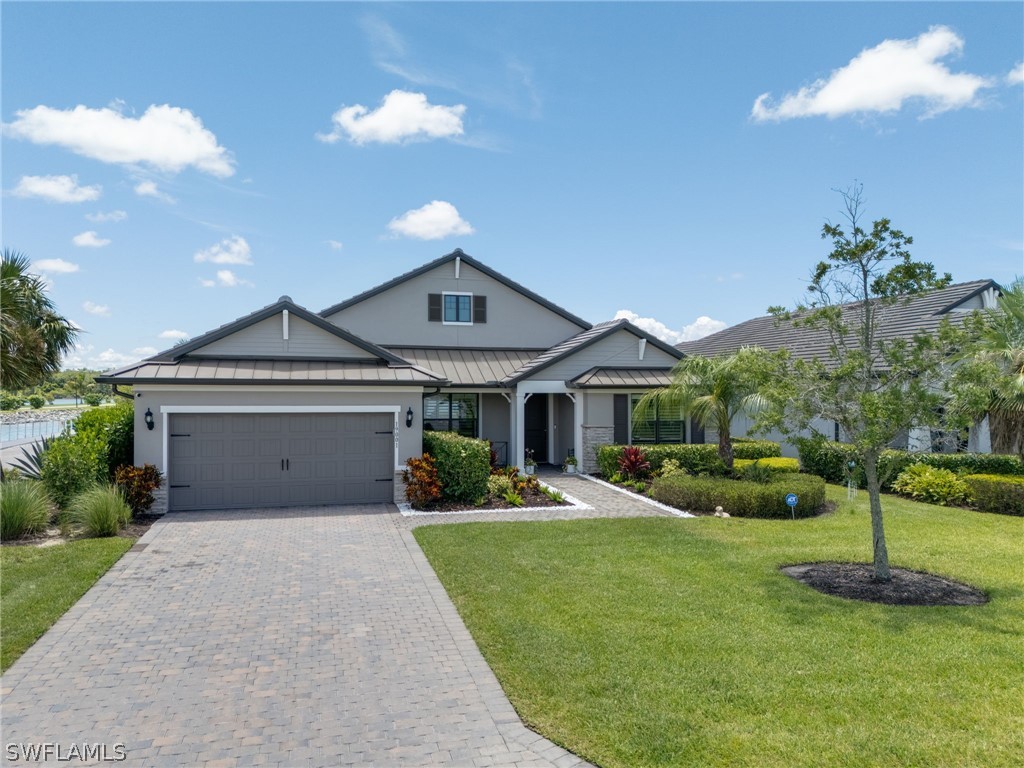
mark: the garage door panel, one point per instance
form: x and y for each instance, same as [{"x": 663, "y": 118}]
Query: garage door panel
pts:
[{"x": 225, "y": 461}]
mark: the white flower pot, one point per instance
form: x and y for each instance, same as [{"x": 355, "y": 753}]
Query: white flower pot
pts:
[
  {"x": 529, "y": 469},
  {"x": 570, "y": 469}
]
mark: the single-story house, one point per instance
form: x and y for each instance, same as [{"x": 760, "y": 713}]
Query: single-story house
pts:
[
  {"x": 286, "y": 406},
  {"x": 901, "y": 320}
]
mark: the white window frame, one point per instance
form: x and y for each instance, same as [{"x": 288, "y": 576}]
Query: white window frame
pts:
[{"x": 456, "y": 293}]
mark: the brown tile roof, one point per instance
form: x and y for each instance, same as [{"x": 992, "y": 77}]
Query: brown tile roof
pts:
[
  {"x": 901, "y": 320},
  {"x": 219, "y": 371},
  {"x": 468, "y": 367}
]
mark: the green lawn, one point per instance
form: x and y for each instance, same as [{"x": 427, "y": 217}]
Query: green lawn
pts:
[
  {"x": 38, "y": 584},
  {"x": 678, "y": 642}
]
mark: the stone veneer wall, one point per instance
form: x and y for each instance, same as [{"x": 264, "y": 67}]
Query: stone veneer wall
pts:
[
  {"x": 399, "y": 489},
  {"x": 594, "y": 438}
]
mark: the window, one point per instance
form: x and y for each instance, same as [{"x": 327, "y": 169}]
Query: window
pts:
[
  {"x": 666, "y": 425},
  {"x": 458, "y": 308},
  {"x": 452, "y": 412}
]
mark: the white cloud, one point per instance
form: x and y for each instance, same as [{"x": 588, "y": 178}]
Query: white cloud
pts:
[
  {"x": 99, "y": 217},
  {"x": 402, "y": 116},
  {"x": 1016, "y": 75},
  {"x": 226, "y": 279},
  {"x": 730, "y": 276},
  {"x": 699, "y": 328},
  {"x": 435, "y": 220},
  {"x": 89, "y": 240},
  {"x": 165, "y": 137},
  {"x": 58, "y": 266},
  {"x": 173, "y": 335},
  {"x": 232, "y": 250},
  {"x": 150, "y": 189},
  {"x": 144, "y": 351},
  {"x": 109, "y": 358},
  {"x": 335, "y": 245},
  {"x": 100, "y": 310},
  {"x": 56, "y": 189},
  {"x": 882, "y": 79}
]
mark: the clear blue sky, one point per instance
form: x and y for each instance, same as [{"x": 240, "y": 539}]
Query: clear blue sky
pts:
[{"x": 612, "y": 157}]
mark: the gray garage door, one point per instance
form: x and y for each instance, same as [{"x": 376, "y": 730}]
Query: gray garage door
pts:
[{"x": 234, "y": 460}]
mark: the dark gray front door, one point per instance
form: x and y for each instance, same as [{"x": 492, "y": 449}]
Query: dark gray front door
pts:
[{"x": 241, "y": 460}]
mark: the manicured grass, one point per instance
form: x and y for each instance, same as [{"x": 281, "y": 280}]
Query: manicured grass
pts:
[
  {"x": 39, "y": 584},
  {"x": 660, "y": 641}
]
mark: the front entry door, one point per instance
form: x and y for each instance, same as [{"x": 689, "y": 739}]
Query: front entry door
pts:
[{"x": 536, "y": 425}]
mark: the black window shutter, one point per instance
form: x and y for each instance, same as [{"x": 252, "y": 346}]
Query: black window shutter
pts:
[
  {"x": 479, "y": 309},
  {"x": 434, "y": 307},
  {"x": 620, "y": 418}
]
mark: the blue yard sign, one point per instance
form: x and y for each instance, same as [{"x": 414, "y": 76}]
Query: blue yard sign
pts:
[{"x": 791, "y": 499}]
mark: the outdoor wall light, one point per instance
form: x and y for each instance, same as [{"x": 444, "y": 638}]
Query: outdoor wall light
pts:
[
  {"x": 149, "y": 419},
  {"x": 408, "y": 417}
]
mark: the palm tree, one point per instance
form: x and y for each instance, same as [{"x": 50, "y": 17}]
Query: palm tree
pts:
[
  {"x": 33, "y": 336},
  {"x": 713, "y": 390},
  {"x": 1002, "y": 343}
]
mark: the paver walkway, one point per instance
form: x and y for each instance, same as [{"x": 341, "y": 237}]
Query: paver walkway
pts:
[{"x": 313, "y": 636}]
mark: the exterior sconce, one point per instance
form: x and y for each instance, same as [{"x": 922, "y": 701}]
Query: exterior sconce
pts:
[
  {"x": 408, "y": 417},
  {"x": 149, "y": 419}
]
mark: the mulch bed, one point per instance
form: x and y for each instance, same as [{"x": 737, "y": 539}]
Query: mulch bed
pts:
[
  {"x": 530, "y": 499},
  {"x": 855, "y": 581}
]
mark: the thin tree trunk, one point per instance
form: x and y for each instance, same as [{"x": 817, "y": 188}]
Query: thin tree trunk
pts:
[{"x": 879, "y": 552}]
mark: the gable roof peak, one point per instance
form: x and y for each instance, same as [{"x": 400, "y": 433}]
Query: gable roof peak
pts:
[{"x": 458, "y": 253}]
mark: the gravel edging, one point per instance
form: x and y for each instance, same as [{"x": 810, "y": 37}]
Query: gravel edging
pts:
[
  {"x": 645, "y": 499},
  {"x": 574, "y": 505}
]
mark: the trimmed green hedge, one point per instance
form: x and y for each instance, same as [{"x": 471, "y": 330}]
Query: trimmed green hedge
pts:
[
  {"x": 741, "y": 498},
  {"x": 829, "y": 459},
  {"x": 463, "y": 464},
  {"x": 696, "y": 459},
  {"x": 997, "y": 493},
  {"x": 115, "y": 427}
]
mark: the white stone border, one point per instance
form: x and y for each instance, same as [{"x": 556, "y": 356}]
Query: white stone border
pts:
[
  {"x": 638, "y": 497},
  {"x": 575, "y": 505}
]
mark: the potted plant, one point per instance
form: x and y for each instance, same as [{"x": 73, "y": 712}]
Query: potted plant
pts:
[
  {"x": 529, "y": 465},
  {"x": 569, "y": 465}
]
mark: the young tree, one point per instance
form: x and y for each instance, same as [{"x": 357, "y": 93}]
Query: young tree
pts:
[
  {"x": 33, "y": 337},
  {"x": 713, "y": 391},
  {"x": 875, "y": 387}
]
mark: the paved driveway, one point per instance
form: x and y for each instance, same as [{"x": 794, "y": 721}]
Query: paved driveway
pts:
[{"x": 302, "y": 637}]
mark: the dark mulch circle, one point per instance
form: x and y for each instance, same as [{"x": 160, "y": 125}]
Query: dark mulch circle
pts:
[{"x": 855, "y": 581}]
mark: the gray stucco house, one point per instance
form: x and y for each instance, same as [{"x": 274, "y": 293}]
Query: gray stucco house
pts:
[
  {"x": 916, "y": 314},
  {"x": 285, "y": 406}
]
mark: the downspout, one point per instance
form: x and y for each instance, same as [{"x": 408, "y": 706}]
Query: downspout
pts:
[{"x": 119, "y": 393}]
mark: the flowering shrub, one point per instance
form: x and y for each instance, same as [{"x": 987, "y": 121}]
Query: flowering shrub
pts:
[{"x": 421, "y": 484}]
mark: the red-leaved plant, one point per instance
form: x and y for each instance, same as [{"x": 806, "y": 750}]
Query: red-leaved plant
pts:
[
  {"x": 137, "y": 485},
  {"x": 634, "y": 464},
  {"x": 422, "y": 487}
]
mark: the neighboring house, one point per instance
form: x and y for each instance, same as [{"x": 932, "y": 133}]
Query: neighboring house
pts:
[
  {"x": 901, "y": 320},
  {"x": 286, "y": 407}
]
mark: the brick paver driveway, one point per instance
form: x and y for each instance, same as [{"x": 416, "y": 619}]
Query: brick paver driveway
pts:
[{"x": 302, "y": 637}]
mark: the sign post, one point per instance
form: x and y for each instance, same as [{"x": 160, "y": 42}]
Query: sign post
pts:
[{"x": 791, "y": 500}]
